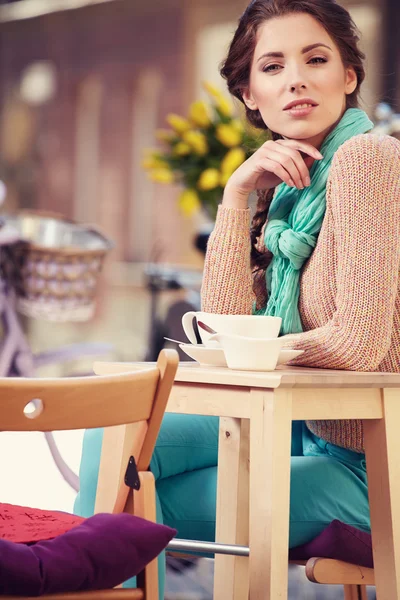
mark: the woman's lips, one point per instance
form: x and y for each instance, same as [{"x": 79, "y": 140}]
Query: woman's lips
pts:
[{"x": 300, "y": 112}]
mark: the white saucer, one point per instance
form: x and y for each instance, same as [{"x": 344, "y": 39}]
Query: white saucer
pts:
[
  {"x": 215, "y": 357},
  {"x": 210, "y": 357}
]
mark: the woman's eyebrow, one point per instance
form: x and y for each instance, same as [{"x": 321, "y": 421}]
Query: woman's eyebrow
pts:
[{"x": 304, "y": 51}]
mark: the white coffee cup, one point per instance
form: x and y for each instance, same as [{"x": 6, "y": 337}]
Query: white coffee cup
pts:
[
  {"x": 255, "y": 326},
  {"x": 249, "y": 353}
]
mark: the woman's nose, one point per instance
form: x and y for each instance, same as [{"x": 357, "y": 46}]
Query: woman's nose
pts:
[
  {"x": 297, "y": 86},
  {"x": 296, "y": 79}
]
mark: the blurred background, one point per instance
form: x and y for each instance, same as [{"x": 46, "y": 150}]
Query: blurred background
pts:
[{"x": 84, "y": 85}]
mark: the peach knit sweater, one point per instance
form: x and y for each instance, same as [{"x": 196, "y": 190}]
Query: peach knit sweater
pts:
[{"x": 349, "y": 288}]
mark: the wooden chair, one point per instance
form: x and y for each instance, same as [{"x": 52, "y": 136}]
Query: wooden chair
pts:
[
  {"x": 353, "y": 578},
  {"x": 134, "y": 402}
]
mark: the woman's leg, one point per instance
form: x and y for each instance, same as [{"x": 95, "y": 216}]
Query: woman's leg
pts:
[
  {"x": 185, "y": 443},
  {"x": 327, "y": 483},
  {"x": 184, "y": 464},
  {"x": 322, "y": 489}
]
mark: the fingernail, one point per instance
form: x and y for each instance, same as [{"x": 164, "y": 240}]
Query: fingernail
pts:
[
  {"x": 320, "y": 155},
  {"x": 308, "y": 181},
  {"x": 291, "y": 182}
]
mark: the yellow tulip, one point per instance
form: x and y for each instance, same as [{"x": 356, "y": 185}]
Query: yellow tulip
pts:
[
  {"x": 153, "y": 161},
  {"x": 162, "y": 176},
  {"x": 228, "y": 135},
  {"x": 225, "y": 107},
  {"x": 165, "y": 135},
  {"x": 238, "y": 125},
  {"x": 197, "y": 141},
  {"x": 209, "y": 179},
  {"x": 182, "y": 149},
  {"x": 232, "y": 160},
  {"x": 212, "y": 90},
  {"x": 198, "y": 114},
  {"x": 189, "y": 202},
  {"x": 178, "y": 124}
]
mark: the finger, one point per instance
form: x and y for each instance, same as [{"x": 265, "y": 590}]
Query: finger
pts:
[
  {"x": 305, "y": 147},
  {"x": 298, "y": 160},
  {"x": 302, "y": 147},
  {"x": 301, "y": 156},
  {"x": 292, "y": 162},
  {"x": 309, "y": 162},
  {"x": 275, "y": 167}
]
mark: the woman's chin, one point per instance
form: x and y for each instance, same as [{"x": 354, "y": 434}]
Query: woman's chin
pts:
[
  {"x": 302, "y": 128},
  {"x": 302, "y": 133}
]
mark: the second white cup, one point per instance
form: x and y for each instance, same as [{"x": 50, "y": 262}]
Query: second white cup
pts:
[{"x": 255, "y": 326}]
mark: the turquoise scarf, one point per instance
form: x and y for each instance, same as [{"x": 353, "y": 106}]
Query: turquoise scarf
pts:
[{"x": 294, "y": 222}]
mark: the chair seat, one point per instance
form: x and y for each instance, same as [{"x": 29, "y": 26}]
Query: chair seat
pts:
[
  {"x": 131, "y": 594},
  {"x": 337, "y": 572}
]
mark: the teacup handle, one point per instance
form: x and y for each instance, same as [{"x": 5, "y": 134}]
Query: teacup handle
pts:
[{"x": 187, "y": 324}]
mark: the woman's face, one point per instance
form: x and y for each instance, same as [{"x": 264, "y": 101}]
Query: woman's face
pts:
[{"x": 285, "y": 69}]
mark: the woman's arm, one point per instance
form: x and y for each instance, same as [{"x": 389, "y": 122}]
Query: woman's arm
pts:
[
  {"x": 228, "y": 282},
  {"x": 364, "y": 198},
  {"x": 227, "y": 279}
]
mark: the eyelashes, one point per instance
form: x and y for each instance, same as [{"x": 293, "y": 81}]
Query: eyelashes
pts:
[{"x": 320, "y": 59}]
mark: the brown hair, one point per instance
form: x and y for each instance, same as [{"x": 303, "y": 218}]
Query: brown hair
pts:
[{"x": 236, "y": 70}]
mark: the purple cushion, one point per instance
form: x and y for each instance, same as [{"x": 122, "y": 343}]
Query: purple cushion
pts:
[
  {"x": 100, "y": 553},
  {"x": 339, "y": 541}
]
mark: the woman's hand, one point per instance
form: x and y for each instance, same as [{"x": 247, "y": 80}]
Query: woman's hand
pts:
[{"x": 286, "y": 161}]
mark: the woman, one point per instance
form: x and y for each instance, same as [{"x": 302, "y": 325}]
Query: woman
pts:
[{"x": 330, "y": 271}]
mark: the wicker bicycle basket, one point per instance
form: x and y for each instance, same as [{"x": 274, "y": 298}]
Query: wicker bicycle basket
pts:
[{"x": 55, "y": 266}]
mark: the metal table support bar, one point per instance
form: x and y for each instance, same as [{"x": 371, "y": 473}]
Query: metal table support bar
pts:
[{"x": 207, "y": 547}]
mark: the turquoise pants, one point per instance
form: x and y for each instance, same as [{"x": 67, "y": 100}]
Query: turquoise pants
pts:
[{"x": 327, "y": 482}]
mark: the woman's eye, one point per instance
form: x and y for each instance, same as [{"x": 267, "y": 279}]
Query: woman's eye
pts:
[
  {"x": 269, "y": 68},
  {"x": 320, "y": 59},
  {"x": 317, "y": 60}
]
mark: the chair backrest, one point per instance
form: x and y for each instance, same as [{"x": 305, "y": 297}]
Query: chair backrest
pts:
[
  {"x": 88, "y": 402},
  {"x": 136, "y": 399}
]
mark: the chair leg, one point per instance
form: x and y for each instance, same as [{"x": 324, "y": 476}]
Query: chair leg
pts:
[
  {"x": 145, "y": 507},
  {"x": 355, "y": 592},
  {"x": 363, "y": 592}
]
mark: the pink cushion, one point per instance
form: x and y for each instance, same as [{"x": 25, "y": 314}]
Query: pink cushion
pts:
[{"x": 25, "y": 524}]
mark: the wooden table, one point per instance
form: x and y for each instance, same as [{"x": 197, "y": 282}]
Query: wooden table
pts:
[{"x": 256, "y": 411}]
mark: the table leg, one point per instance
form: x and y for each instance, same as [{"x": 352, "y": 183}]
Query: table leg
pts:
[
  {"x": 270, "y": 444},
  {"x": 241, "y": 567},
  {"x": 382, "y": 447},
  {"x": 232, "y": 505}
]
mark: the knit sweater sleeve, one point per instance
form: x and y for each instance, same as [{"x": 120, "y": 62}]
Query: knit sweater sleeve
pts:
[
  {"x": 364, "y": 199},
  {"x": 227, "y": 278}
]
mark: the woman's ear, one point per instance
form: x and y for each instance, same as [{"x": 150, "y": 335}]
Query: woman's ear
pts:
[
  {"x": 351, "y": 80},
  {"x": 249, "y": 100}
]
